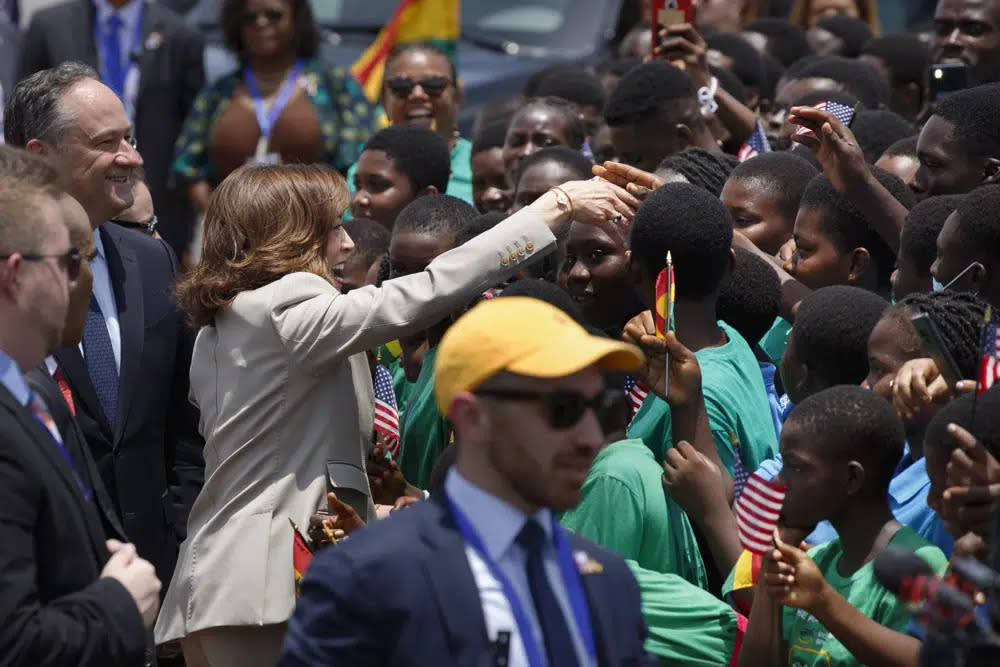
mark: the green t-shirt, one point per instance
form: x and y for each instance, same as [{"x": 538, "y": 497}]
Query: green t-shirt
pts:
[
  {"x": 424, "y": 433},
  {"x": 624, "y": 508},
  {"x": 687, "y": 625},
  {"x": 460, "y": 182},
  {"x": 775, "y": 340},
  {"x": 736, "y": 402},
  {"x": 810, "y": 644}
]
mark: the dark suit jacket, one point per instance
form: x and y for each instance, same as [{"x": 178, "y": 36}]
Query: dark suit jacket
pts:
[
  {"x": 10, "y": 47},
  {"x": 150, "y": 460},
  {"x": 54, "y": 607},
  {"x": 401, "y": 593},
  {"x": 170, "y": 75},
  {"x": 42, "y": 383}
]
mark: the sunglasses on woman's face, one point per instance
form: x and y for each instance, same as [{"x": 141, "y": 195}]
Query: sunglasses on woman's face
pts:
[
  {"x": 566, "y": 408},
  {"x": 271, "y": 14},
  {"x": 404, "y": 85}
]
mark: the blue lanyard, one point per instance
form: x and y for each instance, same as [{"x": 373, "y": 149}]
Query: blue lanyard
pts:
[
  {"x": 570, "y": 575},
  {"x": 265, "y": 118},
  {"x": 130, "y": 56}
]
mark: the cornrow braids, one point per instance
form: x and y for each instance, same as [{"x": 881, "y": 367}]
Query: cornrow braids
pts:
[
  {"x": 708, "y": 170},
  {"x": 384, "y": 269},
  {"x": 958, "y": 317}
]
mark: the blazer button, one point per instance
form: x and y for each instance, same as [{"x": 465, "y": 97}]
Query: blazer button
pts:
[
  {"x": 504, "y": 261},
  {"x": 530, "y": 245},
  {"x": 520, "y": 252},
  {"x": 513, "y": 257}
]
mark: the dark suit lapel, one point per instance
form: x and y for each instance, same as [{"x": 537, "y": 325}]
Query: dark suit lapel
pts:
[
  {"x": 80, "y": 32},
  {"x": 126, "y": 280},
  {"x": 50, "y": 449},
  {"x": 454, "y": 587},
  {"x": 598, "y": 605},
  {"x": 152, "y": 39},
  {"x": 75, "y": 369}
]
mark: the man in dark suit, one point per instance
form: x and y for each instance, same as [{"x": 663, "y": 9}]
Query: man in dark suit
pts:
[
  {"x": 482, "y": 574},
  {"x": 129, "y": 378},
  {"x": 166, "y": 56},
  {"x": 68, "y": 596}
]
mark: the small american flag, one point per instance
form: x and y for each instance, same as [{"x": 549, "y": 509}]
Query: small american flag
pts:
[
  {"x": 636, "y": 393},
  {"x": 755, "y": 145},
  {"x": 841, "y": 112},
  {"x": 989, "y": 364},
  {"x": 757, "y": 513},
  {"x": 386, "y": 412}
]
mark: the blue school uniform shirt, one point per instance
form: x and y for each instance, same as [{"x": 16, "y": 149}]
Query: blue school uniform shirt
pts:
[{"x": 767, "y": 370}]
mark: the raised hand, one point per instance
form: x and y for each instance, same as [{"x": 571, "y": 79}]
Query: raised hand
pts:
[
  {"x": 918, "y": 384},
  {"x": 384, "y": 476},
  {"x": 341, "y": 522},
  {"x": 637, "y": 182},
  {"x": 683, "y": 47},
  {"x": 694, "y": 481},
  {"x": 684, "y": 383},
  {"x": 603, "y": 204},
  {"x": 834, "y": 144}
]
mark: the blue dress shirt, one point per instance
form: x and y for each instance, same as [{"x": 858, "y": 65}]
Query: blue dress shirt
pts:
[{"x": 13, "y": 379}]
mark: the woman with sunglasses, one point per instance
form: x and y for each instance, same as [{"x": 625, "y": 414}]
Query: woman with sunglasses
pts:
[
  {"x": 281, "y": 378},
  {"x": 283, "y": 104},
  {"x": 420, "y": 86}
]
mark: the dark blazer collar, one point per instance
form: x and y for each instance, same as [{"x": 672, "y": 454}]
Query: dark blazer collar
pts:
[{"x": 599, "y": 604}]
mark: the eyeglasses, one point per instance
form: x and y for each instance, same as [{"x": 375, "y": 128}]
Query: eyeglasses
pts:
[
  {"x": 566, "y": 408},
  {"x": 68, "y": 261},
  {"x": 270, "y": 14},
  {"x": 148, "y": 227},
  {"x": 404, "y": 85}
]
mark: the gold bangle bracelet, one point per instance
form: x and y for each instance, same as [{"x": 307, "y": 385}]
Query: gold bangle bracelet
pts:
[{"x": 563, "y": 199}]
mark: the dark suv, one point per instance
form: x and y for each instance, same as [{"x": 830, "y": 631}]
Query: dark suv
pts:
[{"x": 501, "y": 45}]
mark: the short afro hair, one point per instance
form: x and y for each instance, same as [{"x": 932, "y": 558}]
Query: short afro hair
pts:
[
  {"x": 750, "y": 299},
  {"x": 978, "y": 231},
  {"x": 974, "y": 114},
  {"x": 491, "y": 135},
  {"x": 576, "y": 129},
  {"x": 958, "y": 317},
  {"x": 474, "y": 228},
  {"x": 854, "y": 424},
  {"x": 906, "y": 147},
  {"x": 530, "y": 88},
  {"x": 747, "y": 65},
  {"x": 571, "y": 160},
  {"x": 861, "y": 80},
  {"x": 704, "y": 168},
  {"x": 694, "y": 227},
  {"x": 647, "y": 91},
  {"x": 548, "y": 292},
  {"x": 419, "y": 153},
  {"x": 576, "y": 85},
  {"x": 371, "y": 239},
  {"x": 853, "y": 33},
  {"x": 783, "y": 174},
  {"x": 848, "y": 227},
  {"x": 773, "y": 71},
  {"x": 918, "y": 240},
  {"x": 831, "y": 330},
  {"x": 877, "y": 129},
  {"x": 440, "y": 215},
  {"x": 979, "y": 416},
  {"x": 904, "y": 54},
  {"x": 785, "y": 41}
]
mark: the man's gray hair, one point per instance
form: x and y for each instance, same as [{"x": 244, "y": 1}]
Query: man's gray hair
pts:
[{"x": 33, "y": 109}]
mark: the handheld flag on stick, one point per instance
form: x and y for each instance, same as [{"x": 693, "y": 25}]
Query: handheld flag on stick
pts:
[
  {"x": 841, "y": 112},
  {"x": 302, "y": 556},
  {"x": 636, "y": 393},
  {"x": 386, "y": 410},
  {"x": 755, "y": 145},
  {"x": 757, "y": 512},
  {"x": 989, "y": 363},
  {"x": 664, "y": 316}
]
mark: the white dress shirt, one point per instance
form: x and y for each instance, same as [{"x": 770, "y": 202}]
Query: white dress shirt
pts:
[
  {"x": 498, "y": 524},
  {"x": 105, "y": 296}
]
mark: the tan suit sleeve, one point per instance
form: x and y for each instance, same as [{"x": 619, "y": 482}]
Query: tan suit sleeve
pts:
[{"x": 319, "y": 326}]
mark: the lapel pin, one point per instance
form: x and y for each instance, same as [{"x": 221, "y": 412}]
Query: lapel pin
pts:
[
  {"x": 585, "y": 564},
  {"x": 154, "y": 41}
]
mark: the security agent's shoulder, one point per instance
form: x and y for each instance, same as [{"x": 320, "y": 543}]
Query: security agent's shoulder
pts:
[
  {"x": 592, "y": 559},
  {"x": 56, "y": 14}
]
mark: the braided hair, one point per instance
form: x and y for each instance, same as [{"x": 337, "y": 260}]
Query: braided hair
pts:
[
  {"x": 709, "y": 170},
  {"x": 958, "y": 317},
  {"x": 384, "y": 269}
]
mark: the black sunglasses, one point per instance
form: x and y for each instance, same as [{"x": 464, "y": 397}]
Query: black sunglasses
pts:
[
  {"x": 271, "y": 14},
  {"x": 148, "y": 227},
  {"x": 404, "y": 85},
  {"x": 566, "y": 408},
  {"x": 68, "y": 261}
]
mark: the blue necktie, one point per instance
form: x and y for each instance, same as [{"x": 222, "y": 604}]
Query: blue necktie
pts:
[
  {"x": 112, "y": 47},
  {"x": 559, "y": 648},
  {"x": 100, "y": 357}
]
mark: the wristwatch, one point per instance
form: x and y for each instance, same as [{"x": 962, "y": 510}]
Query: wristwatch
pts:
[{"x": 148, "y": 227}]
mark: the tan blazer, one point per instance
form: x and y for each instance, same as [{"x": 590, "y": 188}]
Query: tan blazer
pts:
[{"x": 284, "y": 389}]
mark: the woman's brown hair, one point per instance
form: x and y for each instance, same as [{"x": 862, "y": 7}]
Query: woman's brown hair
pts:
[{"x": 263, "y": 222}]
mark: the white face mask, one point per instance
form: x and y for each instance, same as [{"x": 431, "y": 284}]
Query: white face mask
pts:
[{"x": 938, "y": 287}]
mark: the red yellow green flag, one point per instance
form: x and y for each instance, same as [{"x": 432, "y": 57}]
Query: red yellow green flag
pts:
[
  {"x": 664, "y": 315},
  {"x": 302, "y": 556},
  {"x": 434, "y": 21}
]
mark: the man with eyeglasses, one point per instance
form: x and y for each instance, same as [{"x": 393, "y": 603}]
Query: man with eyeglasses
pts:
[
  {"x": 68, "y": 595},
  {"x": 140, "y": 216},
  {"x": 129, "y": 377},
  {"x": 491, "y": 577}
]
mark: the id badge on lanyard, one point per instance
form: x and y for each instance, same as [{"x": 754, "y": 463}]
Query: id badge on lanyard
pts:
[{"x": 267, "y": 116}]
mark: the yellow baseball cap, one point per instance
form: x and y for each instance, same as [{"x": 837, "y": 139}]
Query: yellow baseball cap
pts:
[{"x": 521, "y": 335}]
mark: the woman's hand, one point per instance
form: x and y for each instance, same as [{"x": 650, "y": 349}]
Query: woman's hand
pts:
[
  {"x": 637, "y": 182},
  {"x": 603, "y": 204}
]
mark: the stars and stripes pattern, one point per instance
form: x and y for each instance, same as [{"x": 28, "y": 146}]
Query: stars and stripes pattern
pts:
[
  {"x": 386, "y": 411},
  {"x": 636, "y": 393},
  {"x": 757, "y": 513},
  {"x": 841, "y": 112},
  {"x": 989, "y": 364},
  {"x": 755, "y": 145}
]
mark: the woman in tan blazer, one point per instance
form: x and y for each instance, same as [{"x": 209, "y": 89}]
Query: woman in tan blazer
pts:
[{"x": 280, "y": 376}]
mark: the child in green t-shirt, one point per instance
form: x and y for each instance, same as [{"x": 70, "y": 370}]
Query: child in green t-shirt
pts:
[{"x": 840, "y": 448}]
